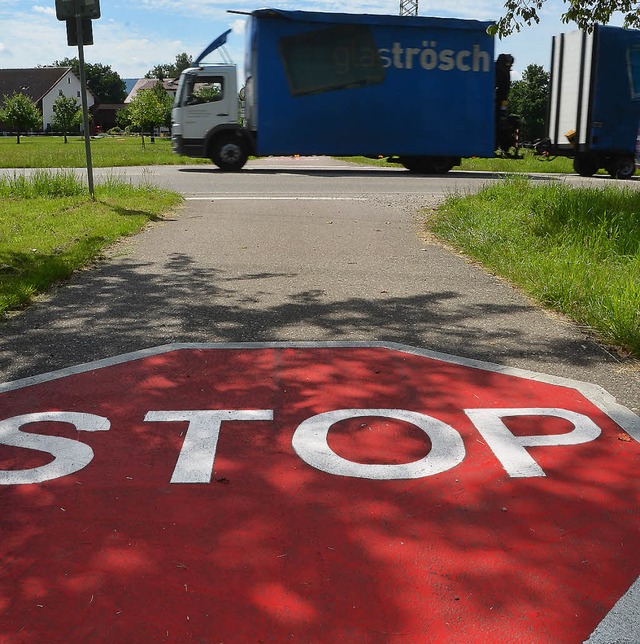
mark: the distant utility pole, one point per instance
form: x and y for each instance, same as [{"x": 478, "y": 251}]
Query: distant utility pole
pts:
[
  {"x": 408, "y": 7},
  {"x": 78, "y": 15}
]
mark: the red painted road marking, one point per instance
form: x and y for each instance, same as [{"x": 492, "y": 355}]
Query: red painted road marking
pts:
[{"x": 353, "y": 493}]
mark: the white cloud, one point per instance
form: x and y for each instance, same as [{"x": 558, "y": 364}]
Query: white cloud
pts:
[
  {"x": 31, "y": 40},
  {"x": 239, "y": 26},
  {"x": 218, "y": 8},
  {"x": 131, "y": 52},
  {"x": 47, "y": 11},
  {"x": 133, "y": 37}
]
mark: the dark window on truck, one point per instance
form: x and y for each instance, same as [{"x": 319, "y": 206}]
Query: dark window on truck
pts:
[
  {"x": 633, "y": 65},
  {"x": 203, "y": 89}
]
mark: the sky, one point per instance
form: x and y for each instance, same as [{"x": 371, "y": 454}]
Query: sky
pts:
[{"x": 135, "y": 35}]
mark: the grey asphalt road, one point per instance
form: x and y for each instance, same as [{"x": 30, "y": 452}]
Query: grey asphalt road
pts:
[{"x": 301, "y": 249}]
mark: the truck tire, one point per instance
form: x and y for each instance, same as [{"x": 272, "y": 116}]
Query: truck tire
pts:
[
  {"x": 416, "y": 164},
  {"x": 428, "y": 165},
  {"x": 585, "y": 165},
  {"x": 229, "y": 152},
  {"x": 622, "y": 167},
  {"x": 442, "y": 165}
]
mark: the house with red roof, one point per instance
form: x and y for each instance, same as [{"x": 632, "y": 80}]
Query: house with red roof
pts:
[{"x": 43, "y": 85}]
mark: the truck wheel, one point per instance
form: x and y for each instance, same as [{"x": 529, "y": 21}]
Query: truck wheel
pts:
[
  {"x": 621, "y": 167},
  {"x": 428, "y": 165},
  {"x": 585, "y": 165},
  {"x": 418, "y": 165},
  {"x": 442, "y": 165},
  {"x": 229, "y": 153}
]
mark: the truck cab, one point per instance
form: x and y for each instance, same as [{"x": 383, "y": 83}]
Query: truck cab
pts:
[{"x": 205, "y": 115}]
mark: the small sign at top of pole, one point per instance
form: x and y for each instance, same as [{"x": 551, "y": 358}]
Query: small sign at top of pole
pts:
[{"x": 68, "y": 9}]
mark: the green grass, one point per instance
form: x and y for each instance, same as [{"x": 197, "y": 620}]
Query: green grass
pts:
[
  {"x": 49, "y": 227},
  {"x": 574, "y": 250},
  {"x": 529, "y": 164},
  {"x": 52, "y": 152}
]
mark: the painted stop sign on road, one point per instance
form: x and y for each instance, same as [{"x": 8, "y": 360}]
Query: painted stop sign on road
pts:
[{"x": 313, "y": 493}]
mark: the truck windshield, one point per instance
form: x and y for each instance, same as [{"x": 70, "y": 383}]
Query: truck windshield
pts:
[{"x": 201, "y": 89}]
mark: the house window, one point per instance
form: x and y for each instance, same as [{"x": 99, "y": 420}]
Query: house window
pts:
[{"x": 78, "y": 93}]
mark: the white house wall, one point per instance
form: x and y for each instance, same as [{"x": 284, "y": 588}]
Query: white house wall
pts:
[{"x": 69, "y": 86}]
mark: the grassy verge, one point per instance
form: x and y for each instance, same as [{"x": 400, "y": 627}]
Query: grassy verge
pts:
[
  {"x": 529, "y": 164},
  {"x": 50, "y": 227},
  {"x": 52, "y": 152},
  {"x": 574, "y": 250}
]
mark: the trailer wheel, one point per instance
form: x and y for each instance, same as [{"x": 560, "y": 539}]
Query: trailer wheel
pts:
[
  {"x": 229, "y": 152},
  {"x": 621, "y": 167},
  {"x": 585, "y": 165}
]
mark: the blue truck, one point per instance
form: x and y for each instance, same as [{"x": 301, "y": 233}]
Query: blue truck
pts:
[
  {"x": 594, "y": 106},
  {"x": 419, "y": 91},
  {"x": 422, "y": 92}
]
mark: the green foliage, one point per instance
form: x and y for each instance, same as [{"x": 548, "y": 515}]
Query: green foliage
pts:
[
  {"x": 104, "y": 83},
  {"x": 166, "y": 101},
  {"x": 171, "y": 70},
  {"x": 585, "y": 13},
  {"x": 528, "y": 98},
  {"x": 20, "y": 113},
  {"x": 123, "y": 118},
  {"x": 49, "y": 227},
  {"x": 148, "y": 110},
  {"x": 576, "y": 250},
  {"x": 42, "y": 183},
  {"x": 66, "y": 114}
]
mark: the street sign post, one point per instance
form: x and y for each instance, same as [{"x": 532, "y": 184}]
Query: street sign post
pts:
[
  {"x": 78, "y": 15},
  {"x": 316, "y": 492}
]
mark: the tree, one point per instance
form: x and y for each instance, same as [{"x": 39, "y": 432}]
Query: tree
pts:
[
  {"x": 528, "y": 98},
  {"x": 166, "y": 100},
  {"x": 20, "y": 113},
  {"x": 585, "y": 13},
  {"x": 66, "y": 114},
  {"x": 171, "y": 70},
  {"x": 104, "y": 83},
  {"x": 147, "y": 111},
  {"x": 123, "y": 118}
]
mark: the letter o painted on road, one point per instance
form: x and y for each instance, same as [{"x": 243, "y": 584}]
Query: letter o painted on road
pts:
[{"x": 310, "y": 443}]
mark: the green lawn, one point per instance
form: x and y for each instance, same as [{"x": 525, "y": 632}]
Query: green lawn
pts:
[
  {"x": 528, "y": 164},
  {"x": 574, "y": 250},
  {"x": 52, "y": 152},
  {"x": 49, "y": 227}
]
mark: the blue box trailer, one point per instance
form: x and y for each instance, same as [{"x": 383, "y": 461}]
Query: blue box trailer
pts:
[
  {"x": 418, "y": 90},
  {"x": 343, "y": 84},
  {"x": 594, "y": 106}
]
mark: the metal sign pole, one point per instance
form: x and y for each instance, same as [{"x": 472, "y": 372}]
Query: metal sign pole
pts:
[{"x": 85, "y": 109}]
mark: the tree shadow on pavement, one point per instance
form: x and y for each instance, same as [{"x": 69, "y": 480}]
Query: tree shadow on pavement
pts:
[{"x": 124, "y": 306}]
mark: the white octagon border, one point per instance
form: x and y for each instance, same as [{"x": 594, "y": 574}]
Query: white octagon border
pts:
[
  {"x": 622, "y": 621},
  {"x": 601, "y": 398}
]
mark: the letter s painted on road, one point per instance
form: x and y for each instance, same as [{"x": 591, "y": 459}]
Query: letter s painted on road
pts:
[{"x": 69, "y": 455}]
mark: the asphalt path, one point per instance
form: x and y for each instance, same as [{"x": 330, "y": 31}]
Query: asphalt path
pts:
[{"x": 302, "y": 249}]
